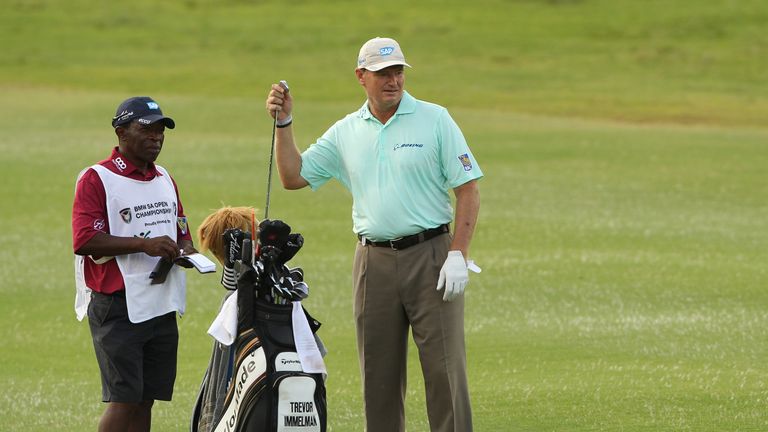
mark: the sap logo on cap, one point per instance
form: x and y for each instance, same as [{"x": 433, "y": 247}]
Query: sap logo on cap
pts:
[
  {"x": 386, "y": 50},
  {"x": 153, "y": 105}
]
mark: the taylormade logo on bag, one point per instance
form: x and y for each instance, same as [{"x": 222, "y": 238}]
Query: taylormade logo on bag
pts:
[
  {"x": 250, "y": 371},
  {"x": 287, "y": 361}
]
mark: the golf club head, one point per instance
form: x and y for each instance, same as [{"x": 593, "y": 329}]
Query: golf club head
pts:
[
  {"x": 300, "y": 291},
  {"x": 297, "y": 274}
]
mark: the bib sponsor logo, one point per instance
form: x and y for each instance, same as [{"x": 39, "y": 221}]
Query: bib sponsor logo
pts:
[
  {"x": 126, "y": 215},
  {"x": 386, "y": 51},
  {"x": 465, "y": 162},
  {"x": 143, "y": 235}
]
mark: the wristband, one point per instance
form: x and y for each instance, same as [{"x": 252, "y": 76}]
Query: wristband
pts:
[{"x": 285, "y": 122}]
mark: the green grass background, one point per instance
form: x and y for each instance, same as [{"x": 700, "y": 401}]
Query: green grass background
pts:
[{"x": 624, "y": 224}]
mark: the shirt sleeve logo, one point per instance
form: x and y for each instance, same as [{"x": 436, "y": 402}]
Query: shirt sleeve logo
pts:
[
  {"x": 98, "y": 224},
  {"x": 465, "y": 162},
  {"x": 182, "y": 223}
]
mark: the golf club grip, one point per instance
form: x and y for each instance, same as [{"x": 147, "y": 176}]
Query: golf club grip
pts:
[{"x": 246, "y": 252}]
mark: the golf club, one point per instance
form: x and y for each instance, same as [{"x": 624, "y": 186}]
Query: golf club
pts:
[{"x": 272, "y": 152}]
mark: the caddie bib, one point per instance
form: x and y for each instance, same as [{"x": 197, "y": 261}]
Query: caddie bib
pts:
[{"x": 144, "y": 209}]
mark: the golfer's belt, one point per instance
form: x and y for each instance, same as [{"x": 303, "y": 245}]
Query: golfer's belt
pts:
[{"x": 407, "y": 241}]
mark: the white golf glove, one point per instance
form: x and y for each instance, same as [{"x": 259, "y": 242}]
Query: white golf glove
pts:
[{"x": 453, "y": 276}]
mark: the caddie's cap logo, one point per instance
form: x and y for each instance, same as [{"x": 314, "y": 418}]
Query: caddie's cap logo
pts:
[{"x": 386, "y": 51}]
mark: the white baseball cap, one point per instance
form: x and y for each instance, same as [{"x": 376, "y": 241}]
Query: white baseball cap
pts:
[{"x": 378, "y": 53}]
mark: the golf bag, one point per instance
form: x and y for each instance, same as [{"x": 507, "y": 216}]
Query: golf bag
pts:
[{"x": 270, "y": 386}]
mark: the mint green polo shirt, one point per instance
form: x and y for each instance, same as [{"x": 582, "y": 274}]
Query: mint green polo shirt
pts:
[{"x": 399, "y": 173}]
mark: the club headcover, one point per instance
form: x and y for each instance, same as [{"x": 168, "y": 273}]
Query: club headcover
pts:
[
  {"x": 273, "y": 233},
  {"x": 292, "y": 245},
  {"x": 233, "y": 245}
]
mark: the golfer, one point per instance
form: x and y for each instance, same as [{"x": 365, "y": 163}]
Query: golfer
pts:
[
  {"x": 399, "y": 157},
  {"x": 126, "y": 216}
]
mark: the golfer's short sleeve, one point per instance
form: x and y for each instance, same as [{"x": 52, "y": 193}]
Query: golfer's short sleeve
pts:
[
  {"x": 320, "y": 162},
  {"x": 458, "y": 164}
]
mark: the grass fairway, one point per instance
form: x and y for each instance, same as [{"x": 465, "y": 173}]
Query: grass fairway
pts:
[{"x": 623, "y": 232}]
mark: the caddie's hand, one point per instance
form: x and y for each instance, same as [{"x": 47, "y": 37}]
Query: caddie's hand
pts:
[
  {"x": 453, "y": 276},
  {"x": 187, "y": 247},
  {"x": 163, "y": 247},
  {"x": 279, "y": 101}
]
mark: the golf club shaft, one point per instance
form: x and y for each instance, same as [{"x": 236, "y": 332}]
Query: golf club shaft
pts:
[{"x": 271, "y": 156}]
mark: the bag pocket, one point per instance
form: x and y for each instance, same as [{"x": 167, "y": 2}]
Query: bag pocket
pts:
[{"x": 298, "y": 403}]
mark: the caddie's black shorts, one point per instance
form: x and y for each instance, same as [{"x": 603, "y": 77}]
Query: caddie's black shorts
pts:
[{"x": 137, "y": 361}]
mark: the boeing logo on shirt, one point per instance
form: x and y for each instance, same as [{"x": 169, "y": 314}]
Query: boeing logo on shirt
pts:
[
  {"x": 386, "y": 50},
  {"x": 406, "y": 145},
  {"x": 126, "y": 215},
  {"x": 153, "y": 105},
  {"x": 465, "y": 162}
]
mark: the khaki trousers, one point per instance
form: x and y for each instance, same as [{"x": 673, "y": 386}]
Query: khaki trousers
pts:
[{"x": 395, "y": 290}]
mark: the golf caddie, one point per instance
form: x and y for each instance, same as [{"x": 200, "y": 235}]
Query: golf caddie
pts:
[
  {"x": 126, "y": 217},
  {"x": 400, "y": 157}
]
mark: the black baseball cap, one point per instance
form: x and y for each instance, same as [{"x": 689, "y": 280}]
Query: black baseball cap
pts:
[{"x": 141, "y": 108}]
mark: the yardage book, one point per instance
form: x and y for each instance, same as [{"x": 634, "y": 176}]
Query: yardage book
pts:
[{"x": 199, "y": 261}]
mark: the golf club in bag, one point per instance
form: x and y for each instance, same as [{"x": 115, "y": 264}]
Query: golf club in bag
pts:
[{"x": 272, "y": 378}]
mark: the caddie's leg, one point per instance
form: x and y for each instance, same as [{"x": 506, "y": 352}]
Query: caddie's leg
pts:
[
  {"x": 382, "y": 338},
  {"x": 438, "y": 331},
  {"x": 127, "y": 417}
]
